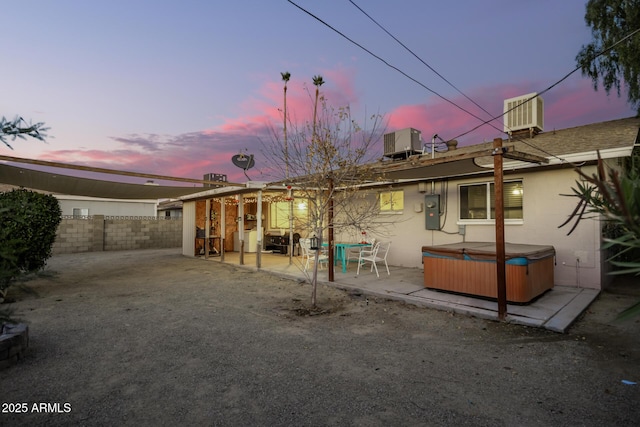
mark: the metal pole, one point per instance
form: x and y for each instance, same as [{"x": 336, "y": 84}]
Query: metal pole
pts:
[{"x": 499, "y": 207}]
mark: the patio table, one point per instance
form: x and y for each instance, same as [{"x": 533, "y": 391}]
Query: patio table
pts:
[{"x": 341, "y": 253}]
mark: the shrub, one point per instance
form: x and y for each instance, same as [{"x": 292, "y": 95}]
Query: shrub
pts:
[{"x": 28, "y": 224}]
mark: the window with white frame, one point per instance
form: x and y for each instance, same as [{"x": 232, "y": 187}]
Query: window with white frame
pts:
[
  {"x": 279, "y": 214},
  {"x": 391, "y": 201},
  {"x": 477, "y": 201},
  {"x": 80, "y": 212}
]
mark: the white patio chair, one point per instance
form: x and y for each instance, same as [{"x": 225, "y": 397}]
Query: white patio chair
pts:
[
  {"x": 309, "y": 255},
  {"x": 354, "y": 253},
  {"x": 378, "y": 254}
]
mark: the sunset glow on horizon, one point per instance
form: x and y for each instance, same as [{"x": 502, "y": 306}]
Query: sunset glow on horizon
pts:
[{"x": 178, "y": 90}]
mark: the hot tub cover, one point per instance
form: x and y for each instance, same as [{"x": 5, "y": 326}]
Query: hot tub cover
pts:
[{"x": 487, "y": 251}]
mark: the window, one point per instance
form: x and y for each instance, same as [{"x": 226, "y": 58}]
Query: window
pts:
[
  {"x": 392, "y": 201},
  {"x": 477, "y": 201},
  {"x": 80, "y": 212},
  {"x": 279, "y": 215}
]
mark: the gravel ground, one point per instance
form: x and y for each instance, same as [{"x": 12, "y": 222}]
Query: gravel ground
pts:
[{"x": 155, "y": 338}]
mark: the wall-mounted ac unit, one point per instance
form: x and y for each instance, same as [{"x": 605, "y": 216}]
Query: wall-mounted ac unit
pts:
[
  {"x": 523, "y": 112},
  {"x": 402, "y": 143}
]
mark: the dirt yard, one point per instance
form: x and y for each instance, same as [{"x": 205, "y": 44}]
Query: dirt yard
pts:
[{"x": 155, "y": 338}]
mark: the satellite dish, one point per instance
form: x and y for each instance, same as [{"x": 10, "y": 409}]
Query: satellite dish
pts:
[{"x": 244, "y": 162}]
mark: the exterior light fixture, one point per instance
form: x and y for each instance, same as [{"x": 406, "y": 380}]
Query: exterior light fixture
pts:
[{"x": 313, "y": 243}]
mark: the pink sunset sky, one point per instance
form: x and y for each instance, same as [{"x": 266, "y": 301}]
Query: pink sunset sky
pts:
[{"x": 178, "y": 89}]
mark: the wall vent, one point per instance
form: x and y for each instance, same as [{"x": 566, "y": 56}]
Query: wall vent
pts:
[
  {"x": 402, "y": 143},
  {"x": 523, "y": 112}
]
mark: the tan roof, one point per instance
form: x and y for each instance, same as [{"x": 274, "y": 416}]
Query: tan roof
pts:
[
  {"x": 558, "y": 147},
  {"x": 588, "y": 138},
  {"x": 71, "y": 185},
  {"x": 464, "y": 161}
]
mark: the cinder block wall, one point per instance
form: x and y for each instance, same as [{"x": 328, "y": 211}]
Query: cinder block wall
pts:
[
  {"x": 79, "y": 235},
  {"x": 127, "y": 234},
  {"x": 97, "y": 233}
]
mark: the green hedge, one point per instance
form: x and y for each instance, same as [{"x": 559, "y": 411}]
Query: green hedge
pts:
[{"x": 28, "y": 224}]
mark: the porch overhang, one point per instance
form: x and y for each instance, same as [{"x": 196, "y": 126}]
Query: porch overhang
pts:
[
  {"x": 453, "y": 166},
  {"x": 249, "y": 188}
]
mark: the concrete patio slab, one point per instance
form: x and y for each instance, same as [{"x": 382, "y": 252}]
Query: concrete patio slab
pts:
[{"x": 555, "y": 310}]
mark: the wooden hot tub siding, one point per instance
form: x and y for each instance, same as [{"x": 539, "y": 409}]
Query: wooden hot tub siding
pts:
[{"x": 526, "y": 279}]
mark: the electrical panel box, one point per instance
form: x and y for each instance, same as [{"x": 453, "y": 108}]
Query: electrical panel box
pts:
[{"x": 432, "y": 211}]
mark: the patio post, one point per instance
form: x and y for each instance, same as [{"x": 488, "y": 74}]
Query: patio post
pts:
[
  {"x": 330, "y": 243},
  {"x": 498, "y": 176},
  {"x": 207, "y": 227},
  {"x": 259, "y": 226},
  {"x": 291, "y": 229},
  {"x": 240, "y": 226},
  {"x": 223, "y": 226}
]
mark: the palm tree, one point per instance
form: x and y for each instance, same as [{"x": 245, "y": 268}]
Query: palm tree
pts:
[
  {"x": 285, "y": 78},
  {"x": 317, "y": 82}
]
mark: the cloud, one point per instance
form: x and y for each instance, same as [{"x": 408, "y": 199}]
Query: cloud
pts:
[
  {"x": 194, "y": 154},
  {"x": 187, "y": 155},
  {"x": 568, "y": 105}
]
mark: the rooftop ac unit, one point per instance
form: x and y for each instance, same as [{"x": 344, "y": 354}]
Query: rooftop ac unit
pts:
[
  {"x": 214, "y": 177},
  {"x": 520, "y": 114},
  {"x": 402, "y": 143}
]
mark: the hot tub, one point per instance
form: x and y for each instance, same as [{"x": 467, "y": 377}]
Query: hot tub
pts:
[{"x": 470, "y": 268}]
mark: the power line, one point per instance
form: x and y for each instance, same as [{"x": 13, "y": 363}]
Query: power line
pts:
[
  {"x": 602, "y": 52},
  {"x": 483, "y": 122},
  {"x": 390, "y": 65},
  {"x": 418, "y": 58}
]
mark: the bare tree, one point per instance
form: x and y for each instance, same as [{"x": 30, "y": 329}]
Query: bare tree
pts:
[{"x": 329, "y": 161}]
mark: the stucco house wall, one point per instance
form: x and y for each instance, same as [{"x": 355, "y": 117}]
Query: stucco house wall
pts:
[
  {"x": 188, "y": 228},
  {"x": 545, "y": 166},
  {"x": 107, "y": 207},
  {"x": 545, "y": 208},
  {"x": 579, "y": 261}
]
